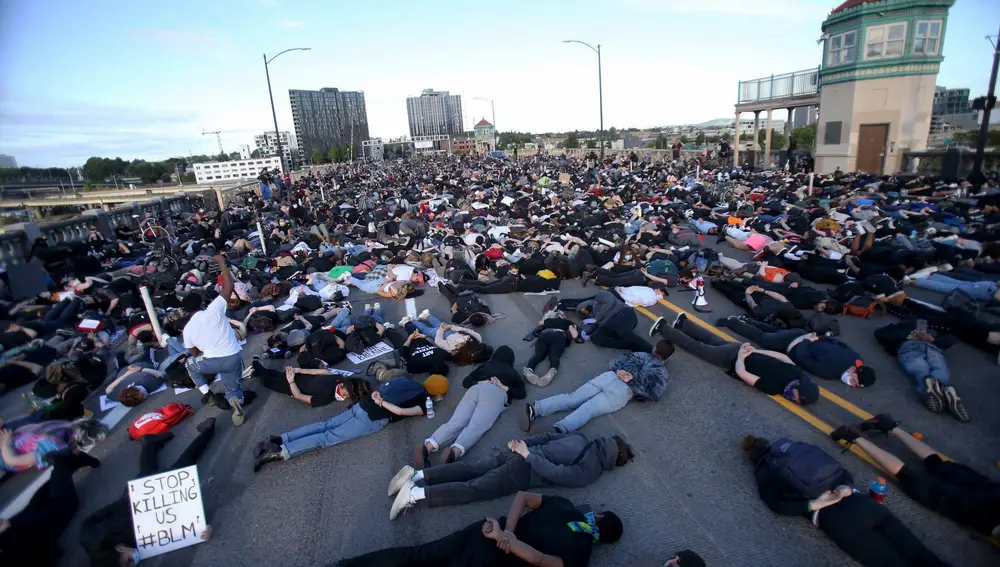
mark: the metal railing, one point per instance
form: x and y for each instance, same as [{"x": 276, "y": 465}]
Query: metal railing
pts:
[{"x": 799, "y": 83}]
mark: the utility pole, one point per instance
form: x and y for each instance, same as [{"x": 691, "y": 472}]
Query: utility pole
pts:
[{"x": 984, "y": 128}]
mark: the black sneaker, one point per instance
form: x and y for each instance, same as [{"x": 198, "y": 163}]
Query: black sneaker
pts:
[
  {"x": 657, "y": 325},
  {"x": 248, "y": 397},
  {"x": 882, "y": 423},
  {"x": 723, "y": 322},
  {"x": 528, "y": 417},
  {"x": 846, "y": 433},
  {"x": 955, "y": 405},
  {"x": 935, "y": 397},
  {"x": 679, "y": 321}
]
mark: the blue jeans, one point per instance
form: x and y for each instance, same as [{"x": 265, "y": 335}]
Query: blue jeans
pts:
[
  {"x": 430, "y": 327},
  {"x": 982, "y": 291},
  {"x": 367, "y": 286},
  {"x": 601, "y": 395},
  {"x": 376, "y": 314},
  {"x": 342, "y": 321},
  {"x": 352, "y": 423},
  {"x": 229, "y": 368},
  {"x": 921, "y": 359}
]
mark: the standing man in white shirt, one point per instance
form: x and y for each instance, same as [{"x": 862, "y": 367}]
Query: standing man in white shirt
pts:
[{"x": 212, "y": 345}]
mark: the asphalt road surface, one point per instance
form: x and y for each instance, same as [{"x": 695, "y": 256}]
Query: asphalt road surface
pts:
[{"x": 689, "y": 486}]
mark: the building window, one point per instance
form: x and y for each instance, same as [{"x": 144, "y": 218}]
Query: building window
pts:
[
  {"x": 842, "y": 48},
  {"x": 831, "y": 133},
  {"x": 928, "y": 38},
  {"x": 885, "y": 41}
]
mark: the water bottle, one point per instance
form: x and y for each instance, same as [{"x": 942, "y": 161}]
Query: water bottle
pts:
[
  {"x": 429, "y": 406},
  {"x": 878, "y": 490}
]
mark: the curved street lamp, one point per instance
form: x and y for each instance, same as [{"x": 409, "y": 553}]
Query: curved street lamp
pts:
[
  {"x": 277, "y": 135},
  {"x": 600, "y": 87}
]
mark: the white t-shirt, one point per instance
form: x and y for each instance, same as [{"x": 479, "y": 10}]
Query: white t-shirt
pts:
[
  {"x": 209, "y": 331},
  {"x": 403, "y": 273},
  {"x": 638, "y": 295},
  {"x": 497, "y": 231}
]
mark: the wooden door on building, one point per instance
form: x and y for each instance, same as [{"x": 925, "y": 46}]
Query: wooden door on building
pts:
[{"x": 872, "y": 140}]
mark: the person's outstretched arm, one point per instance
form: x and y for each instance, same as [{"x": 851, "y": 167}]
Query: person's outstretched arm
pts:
[{"x": 523, "y": 500}]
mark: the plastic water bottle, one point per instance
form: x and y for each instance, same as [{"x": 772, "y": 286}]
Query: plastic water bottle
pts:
[
  {"x": 878, "y": 490},
  {"x": 429, "y": 406}
]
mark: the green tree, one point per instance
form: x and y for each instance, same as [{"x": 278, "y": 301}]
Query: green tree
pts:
[
  {"x": 255, "y": 154},
  {"x": 591, "y": 144},
  {"x": 188, "y": 177},
  {"x": 612, "y": 134},
  {"x": 222, "y": 157},
  {"x": 777, "y": 139},
  {"x": 727, "y": 136},
  {"x": 661, "y": 143},
  {"x": 572, "y": 140},
  {"x": 685, "y": 139},
  {"x": 235, "y": 156},
  {"x": 803, "y": 136},
  {"x": 317, "y": 157},
  {"x": 334, "y": 155},
  {"x": 700, "y": 138}
]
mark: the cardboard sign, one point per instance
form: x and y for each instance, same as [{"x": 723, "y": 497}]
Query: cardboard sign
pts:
[
  {"x": 167, "y": 511},
  {"x": 369, "y": 353},
  {"x": 563, "y": 178}
]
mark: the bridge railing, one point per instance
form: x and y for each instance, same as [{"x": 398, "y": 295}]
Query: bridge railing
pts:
[
  {"x": 799, "y": 83},
  {"x": 653, "y": 154}
]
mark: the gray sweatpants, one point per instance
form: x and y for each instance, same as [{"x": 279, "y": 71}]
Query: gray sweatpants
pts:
[{"x": 479, "y": 409}]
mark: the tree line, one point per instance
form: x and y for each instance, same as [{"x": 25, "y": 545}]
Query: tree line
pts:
[{"x": 339, "y": 153}]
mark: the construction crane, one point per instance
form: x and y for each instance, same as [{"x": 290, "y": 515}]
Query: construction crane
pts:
[{"x": 218, "y": 135}]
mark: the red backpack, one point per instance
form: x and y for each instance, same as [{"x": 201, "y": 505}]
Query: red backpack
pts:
[{"x": 159, "y": 421}]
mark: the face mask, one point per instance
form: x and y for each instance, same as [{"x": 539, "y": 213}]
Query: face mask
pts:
[
  {"x": 789, "y": 392},
  {"x": 846, "y": 377}
]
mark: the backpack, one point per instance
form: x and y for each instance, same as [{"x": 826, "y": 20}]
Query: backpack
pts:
[
  {"x": 662, "y": 268},
  {"x": 307, "y": 303},
  {"x": 807, "y": 470},
  {"x": 864, "y": 307},
  {"x": 400, "y": 390},
  {"x": 159, "y": 421}
]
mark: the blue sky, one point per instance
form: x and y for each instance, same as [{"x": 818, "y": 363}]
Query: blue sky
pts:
[{"x": 143, "y": 79}]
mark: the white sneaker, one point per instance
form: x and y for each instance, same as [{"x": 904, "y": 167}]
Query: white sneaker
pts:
[
  {"x": 404, "y": 321},
  {"x": 402, "y": 477},
  {"x": 368, "y": 307},
  {"x": 376, "y": 306},
  {"x": 424, "y": 314},
  {"x": 403, "y": 502}
]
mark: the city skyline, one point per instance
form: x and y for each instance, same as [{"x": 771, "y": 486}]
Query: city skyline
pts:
[{"x": 169, "y": 80}]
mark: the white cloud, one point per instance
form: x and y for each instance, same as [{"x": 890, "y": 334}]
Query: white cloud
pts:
[
  {"x": 783, "y": 9},
  {"x": 289, "y": 24}
]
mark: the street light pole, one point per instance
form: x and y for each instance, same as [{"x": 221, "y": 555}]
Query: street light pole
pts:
[
  {"x": 984, "y": 128},
  {"x": 600, "y": 89},
  {"x": 274, "y": 115}
]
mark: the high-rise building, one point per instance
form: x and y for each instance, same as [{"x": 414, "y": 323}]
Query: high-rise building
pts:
[
  {"x": 267, "y": 145},
  {"x": 7, "y": 161},
  {"x": 434, "y": 113},
  {"x": 803, "y": 116},
  {"x": 326, "y": 118},
  {"x": 951, "y": 110}
]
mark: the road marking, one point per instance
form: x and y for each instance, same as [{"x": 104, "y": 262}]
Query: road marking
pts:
[{"x": 796, "y": 409}]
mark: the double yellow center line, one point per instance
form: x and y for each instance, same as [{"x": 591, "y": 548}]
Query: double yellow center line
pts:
[{"x": 793, "y": 407}]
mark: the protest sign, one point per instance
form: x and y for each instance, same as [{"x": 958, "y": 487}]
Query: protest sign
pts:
[
  {"x": 564, "y": 178},
  {"x": 167, "y": 511}
]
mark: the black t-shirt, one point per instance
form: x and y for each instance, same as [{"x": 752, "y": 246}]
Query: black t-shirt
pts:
[
  {"x": 376, "y": 413},
  {"x": 322, "y": 388},
  {"x": 775, "y": 375},
  {"x": 424, "y": 354},
  {"x": 557, "y": 323},
  {"x": 14, "y": 375},
  {"x": 14, "y": 339},
  {"x": 547, "y": 530},
  {"x": 804, "y": 297}
]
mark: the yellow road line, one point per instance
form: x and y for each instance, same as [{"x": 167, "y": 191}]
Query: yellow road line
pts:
[
  {"x": 788, "y": 405},
  {"x": 822, "y": 391}
]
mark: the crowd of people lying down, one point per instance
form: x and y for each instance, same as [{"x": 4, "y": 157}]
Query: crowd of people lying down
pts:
[{"x": 308, "y": 264}]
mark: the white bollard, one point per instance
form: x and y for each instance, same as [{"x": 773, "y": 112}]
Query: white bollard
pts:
[{"x": 148, "y": 302}]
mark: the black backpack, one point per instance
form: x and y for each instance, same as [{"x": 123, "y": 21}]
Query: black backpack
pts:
[{"x": 807, "y": 470}]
